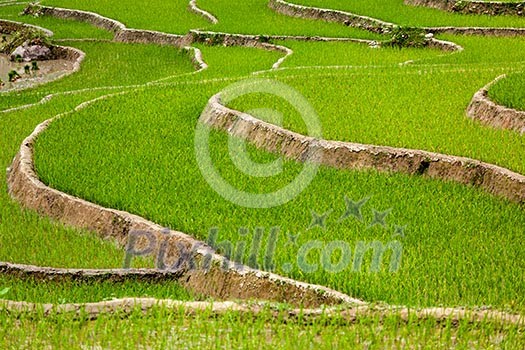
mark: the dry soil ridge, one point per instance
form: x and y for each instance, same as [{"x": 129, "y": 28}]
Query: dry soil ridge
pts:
[{"x": 482, "y": 108}]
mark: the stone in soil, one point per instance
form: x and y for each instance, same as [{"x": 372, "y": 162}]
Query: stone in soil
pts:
[{"x": 29, "y": 53}]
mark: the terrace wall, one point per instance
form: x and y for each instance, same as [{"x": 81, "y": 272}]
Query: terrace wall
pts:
[
  {"x": 7, "y": 27},
  {"x": 482, "y": 108},
  {"x": 192, "y": 6},
  {"x": 346, "y": 18},
  {"x": 221, "y": 278},
  {"x": 495, "y": 180},
  {"x": 491, "y": 8}
]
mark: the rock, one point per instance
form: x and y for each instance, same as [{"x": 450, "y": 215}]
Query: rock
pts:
[
  {"x": 30, "y": 53},
  {"x": 374, "y": 45}
]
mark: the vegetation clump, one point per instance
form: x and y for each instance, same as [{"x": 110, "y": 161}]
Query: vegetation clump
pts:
[
  {"x": 28, "y": 35},
  {"x": 460, "y": 5},
  {"x": 32, "y": 9},
  {"x": 407, "y": 37}
]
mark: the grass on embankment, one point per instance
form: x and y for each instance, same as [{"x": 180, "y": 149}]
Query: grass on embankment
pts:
[
  {"x": 161, "y": 328},
  {"x": 28, "y": 238},
  {"x": 61, "y": 28},
  {"x": 247, "y": 17},
  {"x": 420, "y": 105},
  {"x": 510, "y": 92},
  {"x": 459, "y": 247},
  {"x": 110, "y": 64},
  {"x": 167, "y": 16},
  {"x": 396, "y": 11},
  {"x": 400, "y": 107},
  {"x": 50, "y": 291}
]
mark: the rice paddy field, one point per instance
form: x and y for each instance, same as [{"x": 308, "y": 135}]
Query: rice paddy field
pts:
[{"x": 127, "y": 138}]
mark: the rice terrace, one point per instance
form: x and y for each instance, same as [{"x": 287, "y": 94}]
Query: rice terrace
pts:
[{"x": 262, "y": 174}]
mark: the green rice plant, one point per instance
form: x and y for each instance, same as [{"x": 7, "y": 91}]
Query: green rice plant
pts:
[
  {"x": 248, "y": 17},
  {"x": 396, "y": 11},
  {"x": 407, "y": 37},
  {"x": 51, "y": 291},
  {"x": 164, "y": 328},
  {"x": 13, "y": 76},
  {"x": 135, "y": 152},
  {"x": 61, "y": 28},
  {"x": 463, "y": 235},
  {"x": 164, "y": 16},
  {"x": 510, "y": 92}
]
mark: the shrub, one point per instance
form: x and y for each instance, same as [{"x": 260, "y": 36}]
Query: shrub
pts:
[
  {"x": 32, "y": 9},
  {"x": 406, "y": 37},
  {"x": 33, "y": 36}
]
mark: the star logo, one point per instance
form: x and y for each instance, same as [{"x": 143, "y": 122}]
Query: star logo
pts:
[
  {"x": 399, "y": 231},
  {"x": 319, "y": 220},
  {"x": 292, "y": 239},
  {"x": 243, "y": 231},
  {"x": 379, "y": 218},
  {"x": 353, "y": 209}
]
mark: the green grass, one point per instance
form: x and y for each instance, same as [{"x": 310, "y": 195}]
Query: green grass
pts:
[
  {"x": 396, "y": 11},
  {"x": 161, "y": 328},
  {"x": 249, "y": 17},
  {"x": 135, "y": 152},
  {"x": 61, "y": 28},
  {"x": 463, "y": 235},
  {"x": 368, "y": 104},
  {"x": 351, "y": 54},
  {"x": 437, "y": 122},
  {"x": 510, "y": 92},
  {"x": 115, "y": 64},
  {"x": 168, "y": 16},
  {"x": 47, "y": 291}
]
